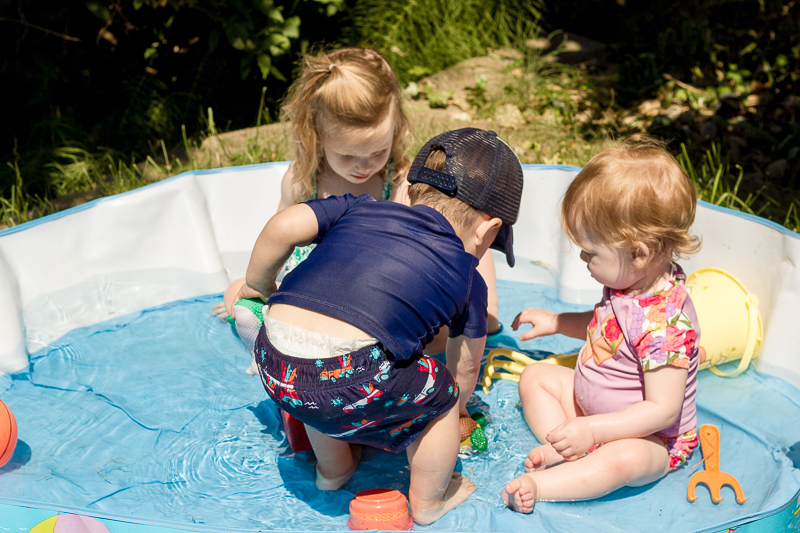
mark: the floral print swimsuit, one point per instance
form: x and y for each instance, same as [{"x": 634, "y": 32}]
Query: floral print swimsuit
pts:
[{"x": 630, "y": 335}]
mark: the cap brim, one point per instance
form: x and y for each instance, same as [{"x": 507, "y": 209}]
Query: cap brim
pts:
[{"x": 504, "y": 242}]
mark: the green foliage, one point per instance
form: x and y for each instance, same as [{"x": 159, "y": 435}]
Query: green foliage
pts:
[
  {"x": 20, "y": 207},
  {"x": 420, "y": 37},
  {"x": 732, "y": 45},
  {"x": 715, "y": 183},
  {"x": 88, "y": 74},
  {"x": 439, "y": 98},
  {"x": 542, "y": 89},
  {"x": 76, "y": 170}
]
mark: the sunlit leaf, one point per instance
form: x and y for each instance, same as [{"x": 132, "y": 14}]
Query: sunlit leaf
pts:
[{"x": 264, "y": 64}]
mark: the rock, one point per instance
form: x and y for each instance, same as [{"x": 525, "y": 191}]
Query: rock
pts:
[
  {"x": 776, "y": 170},
  {"x": 509, "y": 116},
  {"x": 462, "y": 116},
  {"x": 650, "y": 108},
  {"x": 460, "y": 78},
  {"x": 706, "y": 130},
  {"x": 573, "y": 48},
  {"x": 674, "y": 112}
]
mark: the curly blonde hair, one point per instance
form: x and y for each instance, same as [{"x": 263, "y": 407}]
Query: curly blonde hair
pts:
[
  {"x": 634, "y": 192},
  {"x": 345, "y": 88}
]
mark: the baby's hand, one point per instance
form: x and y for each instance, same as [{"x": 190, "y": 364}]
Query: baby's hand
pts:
[
  {"x": 245, "y": 291},
  {"x": 572, "y": 439},
  {"x": 544, "y": 323},
  {"x": 220, "y": 311}
]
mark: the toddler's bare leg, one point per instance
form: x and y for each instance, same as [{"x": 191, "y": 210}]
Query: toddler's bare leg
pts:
[
  {"x": 487, "y": 271},
  {"x": 439, "y": 342},
  {"x": 548, "y": 399},
  {"x": 435, "y": 488},
  {"x": 621, "y": 463},
  {"x": 336, "y": 460}
]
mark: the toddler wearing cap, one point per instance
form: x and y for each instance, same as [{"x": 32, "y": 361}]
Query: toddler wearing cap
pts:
[{"x": 341, "y": 347}]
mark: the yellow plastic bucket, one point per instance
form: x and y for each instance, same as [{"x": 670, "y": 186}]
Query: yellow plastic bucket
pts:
[{"x": 730, "y": 324}]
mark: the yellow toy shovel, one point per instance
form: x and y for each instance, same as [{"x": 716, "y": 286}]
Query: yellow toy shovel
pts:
[{"x": 508, "y": 364}]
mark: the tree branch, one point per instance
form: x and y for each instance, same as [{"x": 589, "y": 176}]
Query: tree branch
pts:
[{"x": 45, "y": 30}]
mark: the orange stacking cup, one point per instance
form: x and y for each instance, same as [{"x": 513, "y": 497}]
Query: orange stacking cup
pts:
[{"x": 384, "y": 509}]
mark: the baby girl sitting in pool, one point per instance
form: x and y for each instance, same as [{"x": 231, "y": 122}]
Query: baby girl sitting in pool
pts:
[
  {"x": 626, "y": 415},
  {"x": 341, "y": 347}
]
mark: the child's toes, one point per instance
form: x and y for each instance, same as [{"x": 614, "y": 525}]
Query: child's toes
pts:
[
  {"x": 508, "y": 493},
  {"x": 529, "y": 465},
  {"x": 519, "y": 495},
  {"x": 524, "y": 500},
  {"x": 536, "y": 460}
]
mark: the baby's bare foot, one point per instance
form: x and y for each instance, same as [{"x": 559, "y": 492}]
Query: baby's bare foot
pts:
[
  {"x": 458, "y": 490},
  {"x": 541, "y": 457},
  {"x": 521, "y": 493}
]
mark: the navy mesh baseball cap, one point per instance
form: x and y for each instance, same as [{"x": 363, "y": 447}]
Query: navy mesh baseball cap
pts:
[{"x": 482, "y": 171}]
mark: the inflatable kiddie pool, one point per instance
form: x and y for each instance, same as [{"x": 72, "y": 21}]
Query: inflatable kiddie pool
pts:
[{"x": 133, "y": 407}]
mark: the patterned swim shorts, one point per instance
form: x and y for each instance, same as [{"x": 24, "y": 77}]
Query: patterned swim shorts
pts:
[
  {"x": 364, "y": 397},
  {"x": 680, "y": 448}
]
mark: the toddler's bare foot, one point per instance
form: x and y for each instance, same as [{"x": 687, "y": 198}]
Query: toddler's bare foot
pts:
[
  {"x": 335, "y": 483},
  {"x": 541, "y": 457},
  {"x": 521, "y": 493},
  {"x": 458, "y": 490}
]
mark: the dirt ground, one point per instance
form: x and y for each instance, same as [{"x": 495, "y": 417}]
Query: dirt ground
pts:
[{"x": 535, "y": 140}]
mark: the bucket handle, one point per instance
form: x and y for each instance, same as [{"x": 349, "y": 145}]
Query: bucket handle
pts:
[{"x": 752, "y": 338}]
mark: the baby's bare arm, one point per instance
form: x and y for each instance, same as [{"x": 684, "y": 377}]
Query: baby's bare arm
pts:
[
  {"x": 294, "y": 226},
  {"x": 464, "y": 362},
  {"x": 546, "y": 322}
]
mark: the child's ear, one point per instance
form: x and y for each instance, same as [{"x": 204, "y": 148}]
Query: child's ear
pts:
[
  {"x": 484, "y": 227},
  {"x": 640, "y": 255},
  {"x": 402, "y": 194}
]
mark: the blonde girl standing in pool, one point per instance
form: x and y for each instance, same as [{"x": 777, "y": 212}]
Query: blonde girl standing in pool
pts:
[
  {"x": 349, "y": 131},
  {"x": 626, "y": 415}
]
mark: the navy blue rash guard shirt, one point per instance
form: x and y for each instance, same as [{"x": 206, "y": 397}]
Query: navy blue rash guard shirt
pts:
[{"x": 398, "y": 273}]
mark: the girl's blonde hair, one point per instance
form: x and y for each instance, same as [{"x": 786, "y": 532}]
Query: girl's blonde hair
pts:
[
  {"x": 345, "y": 88},
  {"x": 634, "y": 192}
]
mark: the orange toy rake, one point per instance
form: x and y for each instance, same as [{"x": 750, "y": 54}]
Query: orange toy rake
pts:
[{"x": 712, "y": 477}]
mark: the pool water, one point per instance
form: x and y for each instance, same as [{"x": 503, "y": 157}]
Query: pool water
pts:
[{"x": 151, "y": 416}]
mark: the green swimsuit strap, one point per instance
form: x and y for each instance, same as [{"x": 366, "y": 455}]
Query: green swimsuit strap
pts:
[
  {"x": 387, "y": 179},
  {"x": 387, "y": 182}
]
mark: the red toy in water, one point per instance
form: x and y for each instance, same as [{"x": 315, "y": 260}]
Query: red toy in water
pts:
[
  {"x": 8, "y": 433},
  {"x": 295, "y": 433}
]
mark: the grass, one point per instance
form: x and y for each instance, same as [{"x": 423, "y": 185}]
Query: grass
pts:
[
  {"x": 421, "y": 37},
  {"x": 717, "y": 184},
  {"x": 21, "y": 207}
]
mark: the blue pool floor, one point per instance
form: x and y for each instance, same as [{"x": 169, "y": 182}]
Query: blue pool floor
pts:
[{"x": 151, "y": 417}]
